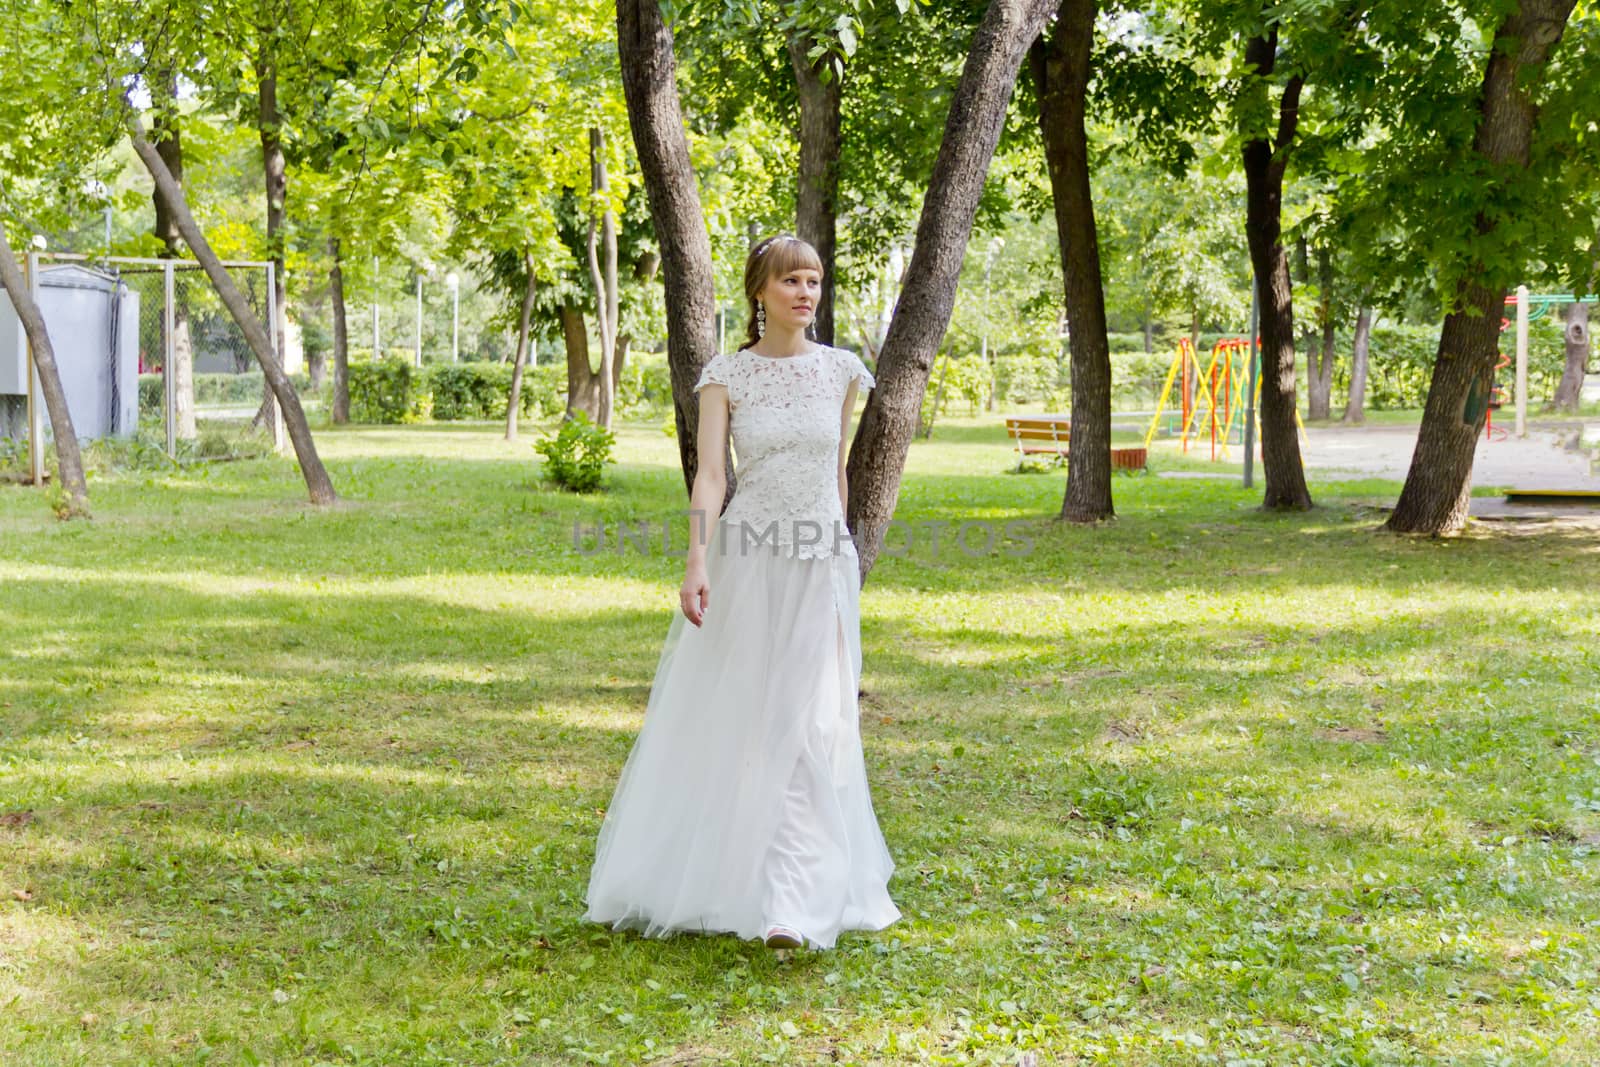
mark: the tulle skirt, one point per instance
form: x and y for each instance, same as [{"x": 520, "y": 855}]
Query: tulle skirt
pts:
[{"x": 744, "y": 801}]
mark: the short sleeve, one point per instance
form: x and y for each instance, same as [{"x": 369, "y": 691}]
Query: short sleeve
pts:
[
  {"x": 854, "y": 368},
  {"x": 715, "y": 372}
]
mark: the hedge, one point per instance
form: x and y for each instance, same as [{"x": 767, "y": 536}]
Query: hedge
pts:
[{"x": 214, "y": 389}]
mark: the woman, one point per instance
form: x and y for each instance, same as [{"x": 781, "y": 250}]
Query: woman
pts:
[{"x": 744, "y": 805}]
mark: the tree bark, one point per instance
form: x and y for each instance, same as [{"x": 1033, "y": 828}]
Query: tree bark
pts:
[
  {"x": 1355, "y": 409},
  {"x": 905, "y": 360},
  {"x": 604, "y": 280},
  {"x": 170, "y": 145},
  {"x": 1438, "y": 485},
  {"x": 69, "y": 459},
  {"x": 1060, "y": 64},
  {"x": 269, "y": 124},
  {"x": 649, "y": 85},
  {"x": 318, "y": 483},
  {"x": 1319, "y": 382},
  {"x": 583, "y": 388},
  {"x": 341, "y": 335},
  {"x": 520, "y": 360},
  {"x": 1264, "y": 164},
  {"x": 1569, "y": 393},
  {"x": 821, "y": 135}
]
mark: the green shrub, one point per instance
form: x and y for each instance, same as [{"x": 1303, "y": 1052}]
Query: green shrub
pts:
[
  {"x": 469, "y": 390},
  {"x": 575, "y": 457},
  {"x": 392, "y": 391},
  {"x": 215, "y": 389},
  {"x": 1402, "y": 364}
]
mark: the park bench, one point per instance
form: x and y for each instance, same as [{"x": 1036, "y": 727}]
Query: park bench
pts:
[
  {"x": 1051, "y": 434},
  {"x": 1035, "y": 434}
]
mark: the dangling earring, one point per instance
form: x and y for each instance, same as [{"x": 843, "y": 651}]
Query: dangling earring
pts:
[{"x": 761, "y": 319}]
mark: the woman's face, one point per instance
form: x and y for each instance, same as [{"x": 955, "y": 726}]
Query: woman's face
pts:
[{"x": 791, "y": 299}]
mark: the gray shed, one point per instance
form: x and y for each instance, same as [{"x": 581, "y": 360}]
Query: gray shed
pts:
[{"x": 93, "y": 321}]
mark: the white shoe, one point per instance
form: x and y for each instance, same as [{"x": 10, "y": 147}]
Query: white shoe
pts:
[{"x": 779, "y": 936}]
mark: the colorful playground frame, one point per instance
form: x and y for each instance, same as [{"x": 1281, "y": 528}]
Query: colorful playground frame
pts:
[{"x": 1211, "y": 400}]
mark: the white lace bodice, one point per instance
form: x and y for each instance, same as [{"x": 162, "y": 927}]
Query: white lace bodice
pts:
[{"x": 785, "y": 416}]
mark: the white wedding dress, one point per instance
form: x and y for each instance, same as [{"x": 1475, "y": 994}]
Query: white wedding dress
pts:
[{"x": 744, "y": 802}]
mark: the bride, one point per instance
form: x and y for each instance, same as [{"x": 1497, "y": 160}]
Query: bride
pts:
[{"x": 744, "y": 806}]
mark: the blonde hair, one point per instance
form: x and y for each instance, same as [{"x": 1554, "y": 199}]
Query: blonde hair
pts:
[{"x": 773, "y": 257}]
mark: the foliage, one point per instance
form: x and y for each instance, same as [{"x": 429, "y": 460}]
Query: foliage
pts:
[
  {"x": 390, "y": 390},
  {"x": 1402, "y": 359},
  {"x": 216, "y": 389},
  {"x": 575, "y": 456}
]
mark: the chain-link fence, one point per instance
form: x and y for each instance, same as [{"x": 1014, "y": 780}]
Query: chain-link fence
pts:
[{"x": 189, "y": 359}]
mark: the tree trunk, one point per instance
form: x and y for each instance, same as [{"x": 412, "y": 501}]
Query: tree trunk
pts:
[
  {"x": 1355, "y": 409},
  {"x": 170, "y": 145},
  {"x": 269, "y": 124},
  {"x": 341, "y": 336},
  {"x": 604, "y": 281},
  {"x": 1264, "y": 164},
  {"x": 624, "y": 343},
  {"x": 1319, "y": 382},
  {"x": 1439, "y": 484},
  {"x": 520, "y": 360},
  {"x": 1569, "y": 393},
  {"x": 1149, "y": 326},
  {"x": 1060, "y": 63},
  {"x": 905, "y": 360},
  {"x": 583, "y": 389},
  {"x": 649, "y": 85},
  {"x": 821, "y": 135},
  {"x": 69, "y": 460},
  {"x": 318, "y": 484}
]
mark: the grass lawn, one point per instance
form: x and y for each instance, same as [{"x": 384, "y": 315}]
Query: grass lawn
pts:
[{"x": 1201, "y": 786}]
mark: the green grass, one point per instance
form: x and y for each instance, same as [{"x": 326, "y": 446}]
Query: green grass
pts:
[{"x": 1203, "y": 785}]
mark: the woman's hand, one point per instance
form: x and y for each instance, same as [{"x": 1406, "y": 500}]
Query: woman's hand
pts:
[{"x": 695, "y": 595}]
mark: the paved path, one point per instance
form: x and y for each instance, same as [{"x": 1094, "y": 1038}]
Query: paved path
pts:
[{"x": 1539, "y": 461}]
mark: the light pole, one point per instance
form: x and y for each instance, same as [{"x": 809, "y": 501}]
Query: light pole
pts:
[{"x": 453, "y": 280}]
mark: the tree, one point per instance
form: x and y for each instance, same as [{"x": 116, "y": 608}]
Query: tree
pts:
[
  {"x": 977, "y": 113},
  {"x": 1578, "y": 342},
  {"x": 644, "y": 44},
  {"x": 169, "y": 143},
  {"x": 1060, "y": 62},
  {"x": 1355, "y": 409},
  {"x": 318, "y": 484},
  {"x": 69, "y": 460},
  {"x": 1265, "y": 159},
  {"x": 1438, "y": 484}
]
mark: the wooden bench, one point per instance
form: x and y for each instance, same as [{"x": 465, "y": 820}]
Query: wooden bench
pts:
[
  {"x": 1035, "y": 434},
  {"x": 1051, "y": 434}
]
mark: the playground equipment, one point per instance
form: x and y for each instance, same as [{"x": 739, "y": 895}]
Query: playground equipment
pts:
[
  {"x": 1530, "y": 306},
  {"x": 1211, "y": 400}
]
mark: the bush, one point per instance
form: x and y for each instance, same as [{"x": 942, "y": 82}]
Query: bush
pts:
[
  {"x": 575, "y": 457},
  {"x": 469, "y": 390},
  {"x": 1402, "y": 364},
  {"x": 213, "y": 389},
  {"x": 391, "y": 391}
]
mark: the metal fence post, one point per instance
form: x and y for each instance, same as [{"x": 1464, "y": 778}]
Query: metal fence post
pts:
[
  {"x": 275, "y": 342},
  {"x": 1250, "y": 390},
  {"x": 169, "y": 353},
  {"x": 35, "y": 400},
  {"x": 1522, "y": 361}
]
